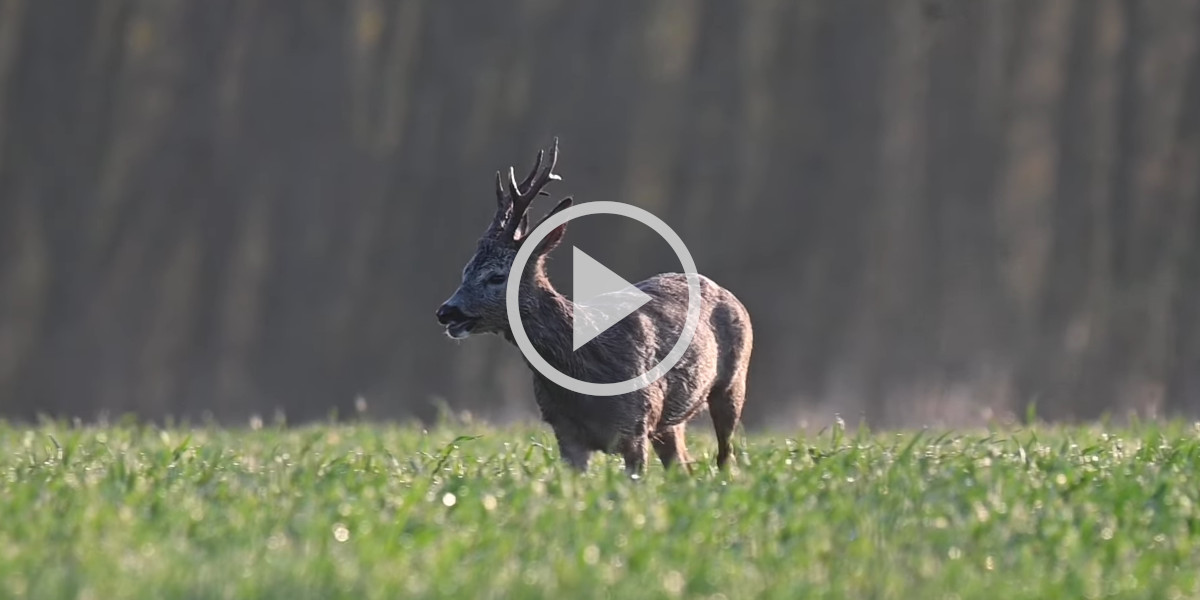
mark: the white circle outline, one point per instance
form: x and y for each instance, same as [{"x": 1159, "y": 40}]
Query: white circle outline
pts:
[{"x": 691, "y": 322}]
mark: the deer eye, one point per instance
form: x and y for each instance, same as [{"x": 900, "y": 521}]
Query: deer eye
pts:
[{"x": 497, "y": 279}]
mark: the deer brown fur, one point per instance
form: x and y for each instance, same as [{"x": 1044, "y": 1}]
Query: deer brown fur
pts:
[{"x": 711, "y": 373}]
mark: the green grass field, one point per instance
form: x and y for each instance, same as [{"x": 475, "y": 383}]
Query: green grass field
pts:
[{"x": 357, "y": 511}]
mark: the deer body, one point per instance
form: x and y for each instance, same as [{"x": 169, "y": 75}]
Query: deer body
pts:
[{"x": 711, "y": 374}]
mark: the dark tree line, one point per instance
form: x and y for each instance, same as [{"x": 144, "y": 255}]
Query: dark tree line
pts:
[{"x": 931, "y": 208}]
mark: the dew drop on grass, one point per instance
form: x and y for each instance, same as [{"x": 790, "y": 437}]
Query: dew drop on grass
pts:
[
  {"x": 673, "y": 583},
  {"x": 981, "y": 513},
  {"x": 340, "y": 532}
]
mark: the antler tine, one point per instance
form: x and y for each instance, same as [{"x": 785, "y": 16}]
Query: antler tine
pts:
[
  {"x": 520, "y": 195},
  {"x": 537, "y": 165},
  {"x": 520, "y": 200},
  {"x": 553, "y": 160},
  {"x": 520, "y": 206},
  {"x": 545, "y": 176},
  {"x": 501, "y": 194},
  {"x": 539, "y": 178},
  {"x": 548, "y": 175}
]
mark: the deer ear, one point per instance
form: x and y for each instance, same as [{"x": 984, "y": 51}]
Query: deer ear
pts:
[{"x": 555, "y": 236}]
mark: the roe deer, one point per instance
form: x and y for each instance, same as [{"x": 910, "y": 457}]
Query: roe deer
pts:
[{"x": 712, "y": 370}]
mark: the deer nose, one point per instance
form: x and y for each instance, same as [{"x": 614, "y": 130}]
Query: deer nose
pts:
[{"x": 448, "y": 313}]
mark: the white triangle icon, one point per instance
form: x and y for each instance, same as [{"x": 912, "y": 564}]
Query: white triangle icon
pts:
[{"x": 601, "y": 298}]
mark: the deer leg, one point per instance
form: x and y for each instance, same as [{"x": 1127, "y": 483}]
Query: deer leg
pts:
[
  {"x": 725, "y": 406},
  {"x": 664, "y": 447},
  {"x": 575, "y": 454},
  {"x": 635, "y": 451},
  {"x": 670, "y": 447},
  {"x": 576, "y": 457},
  {"x": 685, "y": 459}
]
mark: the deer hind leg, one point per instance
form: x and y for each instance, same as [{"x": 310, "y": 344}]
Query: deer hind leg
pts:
[
  {"x": 725, "y": 406},
  {"x": 670, "y": 446}
]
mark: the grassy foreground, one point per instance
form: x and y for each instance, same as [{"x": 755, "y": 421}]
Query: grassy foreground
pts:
[{"x": 393, "y": 512}]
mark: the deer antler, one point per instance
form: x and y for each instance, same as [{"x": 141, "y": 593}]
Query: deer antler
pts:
[{"x": 513, "y": 202}]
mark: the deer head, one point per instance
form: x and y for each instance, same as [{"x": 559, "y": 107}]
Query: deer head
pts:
[{"x": 478, "y": 305}]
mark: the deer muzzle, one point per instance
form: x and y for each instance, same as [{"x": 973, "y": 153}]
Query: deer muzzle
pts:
[{"x": 458, "y": 323}]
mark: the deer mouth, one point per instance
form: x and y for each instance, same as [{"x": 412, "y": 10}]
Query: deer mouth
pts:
[{"x": 461, "y": 328}]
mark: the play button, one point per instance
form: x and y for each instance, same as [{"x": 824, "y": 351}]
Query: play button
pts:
[{"x": 601, "y": 298}]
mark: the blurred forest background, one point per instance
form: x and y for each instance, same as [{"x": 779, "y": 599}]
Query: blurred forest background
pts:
[{"x": 936, "y": 211}]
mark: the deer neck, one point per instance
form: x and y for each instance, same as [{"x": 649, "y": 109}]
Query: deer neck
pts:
[{"x": 547, "y": 316}]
